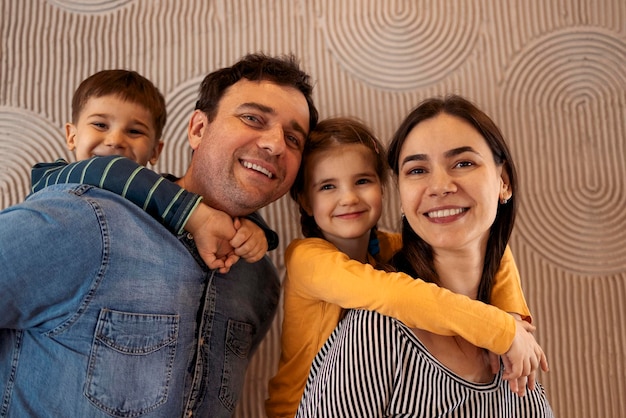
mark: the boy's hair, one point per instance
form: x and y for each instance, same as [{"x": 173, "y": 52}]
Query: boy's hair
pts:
[
  {"x": 328, "y": 134},
  {"x": 127, "y": 85},
  {"x": 284, "y": 71}
]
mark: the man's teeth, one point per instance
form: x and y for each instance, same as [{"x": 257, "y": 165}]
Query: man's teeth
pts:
[
  {"x": 257, "y": 168},
  {"x": 445, "y": 212}
]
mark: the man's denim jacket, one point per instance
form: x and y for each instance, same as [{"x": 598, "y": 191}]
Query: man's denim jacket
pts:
[{"x": 103, "y": 312}]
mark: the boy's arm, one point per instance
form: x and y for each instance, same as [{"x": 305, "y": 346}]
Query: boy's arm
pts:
[
  {"x": 507, "y": 289},
  {"x": 160, "y": 198},
  {"x": 250, "y": 241},
  {"x": 318, "y": 270}
]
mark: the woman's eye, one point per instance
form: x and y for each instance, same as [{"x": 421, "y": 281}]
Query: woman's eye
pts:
[
  {"x": 417, "y": 170},
  {"x": 363, "y": 181},
  {"x": 464, "y": 164}
]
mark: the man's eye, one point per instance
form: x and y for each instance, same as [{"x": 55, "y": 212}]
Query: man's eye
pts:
[
  {"x": 294, "y": 140},
  {"x": 251, "y": 119}
]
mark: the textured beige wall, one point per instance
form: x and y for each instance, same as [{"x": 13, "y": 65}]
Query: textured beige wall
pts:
[{"x": 551, "y": 73}]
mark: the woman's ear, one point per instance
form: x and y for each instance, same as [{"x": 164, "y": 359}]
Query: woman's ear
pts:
[{"x": 506, "y": 191}]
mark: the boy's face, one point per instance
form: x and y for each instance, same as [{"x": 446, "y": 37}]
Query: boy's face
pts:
[{"x": 108, "y": 125}]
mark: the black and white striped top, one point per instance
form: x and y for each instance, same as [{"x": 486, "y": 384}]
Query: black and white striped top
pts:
[{"x": 374, "y": 366}]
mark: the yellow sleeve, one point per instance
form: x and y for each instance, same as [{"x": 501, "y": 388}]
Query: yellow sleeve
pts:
[
  {"x": 390, "y": 243},
  {"x": 320, "y": 271},
  {"x": 507, "y": 289}
]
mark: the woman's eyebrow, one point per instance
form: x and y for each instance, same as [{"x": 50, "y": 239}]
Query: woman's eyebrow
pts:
[
  {"x": 460, "y": 150},
  {"x": 414, "y": 157}
]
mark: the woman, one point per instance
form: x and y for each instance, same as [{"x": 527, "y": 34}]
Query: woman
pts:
[{"x": 456, "y": 180}]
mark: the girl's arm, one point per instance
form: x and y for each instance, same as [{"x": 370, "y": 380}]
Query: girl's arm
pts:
[
  {"x": 318, "y": 270},
  {"x": 507, "y": 291}
]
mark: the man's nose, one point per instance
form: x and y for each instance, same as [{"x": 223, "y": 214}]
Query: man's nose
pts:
[{"x": 273, "y": 140}]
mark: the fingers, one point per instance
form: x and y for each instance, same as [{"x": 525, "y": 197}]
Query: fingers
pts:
[
  {"x": 544, "y": 363},
  {"x": 531, "y": 381},
  {"x": 527, "y": 326}
]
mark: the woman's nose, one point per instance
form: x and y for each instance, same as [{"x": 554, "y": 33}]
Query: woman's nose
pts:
[{"x": 441, "y": 183}]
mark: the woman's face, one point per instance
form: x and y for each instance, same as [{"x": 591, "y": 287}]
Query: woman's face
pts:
[{"x": 449, "y": 184}]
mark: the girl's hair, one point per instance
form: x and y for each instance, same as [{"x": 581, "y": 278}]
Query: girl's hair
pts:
[
  {"x": 416, "y": 256},
  {"x": 332, "y": 133},
  {"x": 129, "y": 86}
]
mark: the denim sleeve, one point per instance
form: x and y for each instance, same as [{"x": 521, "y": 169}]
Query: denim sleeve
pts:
[
  {"x": 51, "y": 251},
  {"x": 162, "y": 199}
]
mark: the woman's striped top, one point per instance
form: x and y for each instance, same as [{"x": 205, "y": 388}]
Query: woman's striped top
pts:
[{"x": 374, "y": 366}]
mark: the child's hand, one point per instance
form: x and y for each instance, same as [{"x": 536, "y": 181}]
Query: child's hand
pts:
[
  {"x": 250, "y": 242},
  {"x": 523, "y": 359},
  {"x": 212, "y": 230}
]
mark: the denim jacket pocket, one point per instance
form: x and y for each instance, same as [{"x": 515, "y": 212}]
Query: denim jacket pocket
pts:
[
  {"x": 236, "y": 358},
  {"x": 131, "y": 360}
]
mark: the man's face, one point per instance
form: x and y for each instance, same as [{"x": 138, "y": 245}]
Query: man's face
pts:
[{"x": 249, "y": 155}]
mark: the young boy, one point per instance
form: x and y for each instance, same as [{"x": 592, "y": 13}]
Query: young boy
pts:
[{"x": 117, "y": 114}]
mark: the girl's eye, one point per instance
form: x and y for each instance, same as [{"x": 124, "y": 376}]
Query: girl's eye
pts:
[{"x": 327, "y": 187}]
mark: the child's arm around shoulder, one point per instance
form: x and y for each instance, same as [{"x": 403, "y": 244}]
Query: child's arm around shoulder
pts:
[
  {"x": 507, "y": 291},
  {"x": 176, "y": 208},
  {"x": 160, "y": 198},
  {"x": 318, "y": 270}
]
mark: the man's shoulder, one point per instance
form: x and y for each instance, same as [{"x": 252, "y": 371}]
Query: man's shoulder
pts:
[{"x": 69, "y": 196}]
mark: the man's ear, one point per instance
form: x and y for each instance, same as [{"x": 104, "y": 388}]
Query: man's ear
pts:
[
  {"x": 158, "y": 148},
  {"x": 198, "y": 122},
  {"x": 70, "y": 136}
]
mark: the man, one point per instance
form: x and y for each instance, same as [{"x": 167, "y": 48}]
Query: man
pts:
[{"x": 103, "y": 312}]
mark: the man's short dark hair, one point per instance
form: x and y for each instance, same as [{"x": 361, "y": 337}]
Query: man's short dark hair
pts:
[{"x": 283, "y": 70}]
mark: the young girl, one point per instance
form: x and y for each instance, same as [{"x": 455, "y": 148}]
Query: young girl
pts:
[{"x": 339, "y": 189}]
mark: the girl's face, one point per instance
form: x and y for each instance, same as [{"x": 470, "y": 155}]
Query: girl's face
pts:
[
  {"x": 449, "y": 183},
  {"x": 343, "y": 192}
]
